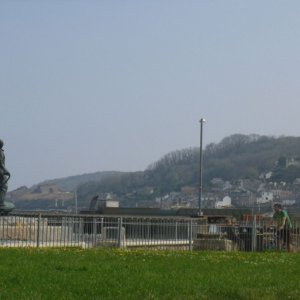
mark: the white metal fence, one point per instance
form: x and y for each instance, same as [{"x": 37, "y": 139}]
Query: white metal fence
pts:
[{"x": 144, "y": 232}]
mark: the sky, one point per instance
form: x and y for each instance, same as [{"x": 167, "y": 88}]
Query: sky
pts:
[{"x": 105, "y": 85}]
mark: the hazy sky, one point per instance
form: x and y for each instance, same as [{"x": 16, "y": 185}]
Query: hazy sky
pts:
[{"x": 90, "y": 86}]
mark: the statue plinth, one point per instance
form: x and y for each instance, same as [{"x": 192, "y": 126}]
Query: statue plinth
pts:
[{"x": 6, "y": 208}]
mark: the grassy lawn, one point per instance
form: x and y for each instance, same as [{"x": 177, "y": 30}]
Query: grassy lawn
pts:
[{"x": 139, "y": 274}]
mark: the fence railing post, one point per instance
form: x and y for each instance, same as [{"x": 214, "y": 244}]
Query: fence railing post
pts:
[
  {"x": 120, "y": 221},
  {"x": 190, "y": 235},
  {"x": 80, "y": 231},
  {"x": 94, "y": 231},
  {"x": 38, "y": 231},
  {"x": 101, "y": 228},
  {"x": 254, "y": 229}
]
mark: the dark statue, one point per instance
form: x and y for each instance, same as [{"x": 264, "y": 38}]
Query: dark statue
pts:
[{"x": 4, "y": 177}]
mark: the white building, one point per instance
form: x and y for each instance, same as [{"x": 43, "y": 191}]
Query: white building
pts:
[
  {"x": 225, "y": 203},
  {"x": 265, "y": 197},
  {"x": 288, "y": 202}
]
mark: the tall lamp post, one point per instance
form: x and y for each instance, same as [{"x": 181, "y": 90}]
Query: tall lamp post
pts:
[{"x": 200, "y": 213}]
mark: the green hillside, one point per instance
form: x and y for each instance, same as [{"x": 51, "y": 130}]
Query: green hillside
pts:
[{"x": 235, "y": 157}]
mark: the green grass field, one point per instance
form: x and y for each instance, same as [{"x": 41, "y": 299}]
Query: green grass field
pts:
[{"x": 139, "y": 274}]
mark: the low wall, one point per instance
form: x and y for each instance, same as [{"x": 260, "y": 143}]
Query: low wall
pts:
[
  {"x": 215, "y": 244},
  {"x": 28, "y": 229}
]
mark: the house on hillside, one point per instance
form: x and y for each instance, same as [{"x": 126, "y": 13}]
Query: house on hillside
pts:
[
  {"x": 265, "y": 197},
  {"x": 46, "y": 189},
  {"x": 288, "y": 202},
  {"x": 219, "y": 185},
  {"x": 282, "y": 194},
  {"x": 225, "y": 203},
  {"x": 293, "y": 162},
  {"x": 189, "y": 190},
  {"x": 242, "y": 198}
]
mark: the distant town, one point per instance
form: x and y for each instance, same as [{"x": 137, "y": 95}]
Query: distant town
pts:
[{"x": 222, "y": 194}]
